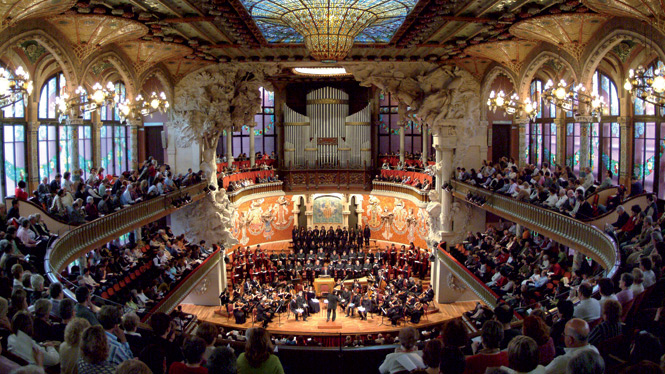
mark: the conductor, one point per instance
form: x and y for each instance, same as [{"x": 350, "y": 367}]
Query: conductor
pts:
[{"x": 333, "y": 299}]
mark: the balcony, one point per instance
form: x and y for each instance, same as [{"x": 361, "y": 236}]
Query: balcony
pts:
[
  {"x": 392, "y": 187},
  {"x": 561, "y": 228},
  {"x": 255, "y": 189}
]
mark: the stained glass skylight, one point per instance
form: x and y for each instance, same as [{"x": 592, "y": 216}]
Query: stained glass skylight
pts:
[{"x": 328, "y": 26}]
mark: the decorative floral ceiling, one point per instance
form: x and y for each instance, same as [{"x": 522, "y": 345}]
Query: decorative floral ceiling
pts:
[{"x": 284, "y": 21}]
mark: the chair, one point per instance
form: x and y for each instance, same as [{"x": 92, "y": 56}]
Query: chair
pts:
[{"x": 625, "y": 309}]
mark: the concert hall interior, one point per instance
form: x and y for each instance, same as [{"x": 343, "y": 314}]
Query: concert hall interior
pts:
[{"x": 408, "y": 186}]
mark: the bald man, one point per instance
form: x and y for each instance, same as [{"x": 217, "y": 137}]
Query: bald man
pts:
[{"x": 576, "y": 334}]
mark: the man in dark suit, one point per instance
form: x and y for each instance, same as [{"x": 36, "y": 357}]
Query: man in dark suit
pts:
[
  {"x": 325, "y": 271},
  {"x": 367, "y": 234},
  {"x": 333, "y": 299}
]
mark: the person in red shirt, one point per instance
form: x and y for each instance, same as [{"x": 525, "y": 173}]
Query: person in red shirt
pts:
[
  {"x": 490, "y": 356},
  {"x": 193, "y": 350},
  {"x": 20, "y": 192}
]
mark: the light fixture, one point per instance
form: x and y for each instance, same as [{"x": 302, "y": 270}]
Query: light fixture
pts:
[
  {"x": 512, "y": 104},
  {"x": 329, "y": 28},
  {"x": 69, "y": 107},
  {"x": 646, "y": 85},
  {"x": 572, "y": 97},
  {"x": 13, "y": 88},
  {"x": 321, "y": 71},
  {"x": 141, "y": 107}
]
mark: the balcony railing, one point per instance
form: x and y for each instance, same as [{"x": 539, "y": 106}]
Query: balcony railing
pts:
[
  {"x": 186, "y": 286},
  {"x": 254, "y": 189},
  {"x": 561, "y": 228},
  {"x": 485, "y": 294},
  {"x": 401, "y": 188},
  {"x": 82, "y": 239}
]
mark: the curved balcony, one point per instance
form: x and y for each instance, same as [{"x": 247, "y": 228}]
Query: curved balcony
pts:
[
  {"x": 255, "y": 189},
  {"x": 561, "y": 228},
  {"x": 84, "y": 238},
  {"x": 54, "y": 223},
  {"x": 392, "y": 187},
  {"x": 479, "y": 287}
]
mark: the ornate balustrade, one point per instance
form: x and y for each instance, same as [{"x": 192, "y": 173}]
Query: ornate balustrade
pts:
[
  {"x": 258, "y": 189},
  {"x": 401, "y": 188},
  {"x": 306, "y": 179},
  {"x": 186, "y": 285},
  {"x": 561, "y": 228},
  {"x": 82, "y": 239},
  {"x": 485, "y": 294}
]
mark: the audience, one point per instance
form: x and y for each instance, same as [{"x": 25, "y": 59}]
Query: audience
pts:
[
  {"x": 69, "y": 349},
  {"x": 576, "y": 335},
  {"x": 491, "y": 355},
  {"x": 258, "y": 356},
  {"x": 523, "y": 357},
  {"x": 94, "y": 351}
]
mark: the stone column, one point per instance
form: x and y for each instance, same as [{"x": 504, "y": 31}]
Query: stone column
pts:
[
  {"x": 585, "y": 149},
  {"x": 560, "y": 137},
  {"x": 439, "y": 157},
  {"x": 134, "y": 125},
  {"x": 95, "y": 132},
  {"x": 425, "y": 145},
  {"x": 32, "y": 163},
  {"x": 626, "y": 161},
  {"x": 75, "y": 145},
  {"x": 402, "y": 130},
  {"x": 522, "y": 122},
  {"x": 252, "y": 147},
  {"x": 447, "y": 154},
  {"x": 229, "y": 146}
]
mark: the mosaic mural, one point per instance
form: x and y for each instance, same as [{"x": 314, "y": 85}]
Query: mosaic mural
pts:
[{"x": 327, "y": 210}]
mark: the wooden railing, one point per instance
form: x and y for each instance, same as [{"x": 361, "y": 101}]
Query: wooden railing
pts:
[
  {"x": 186, "y": 285},
  {"x": 561, "y": 228},
  {"x": 82, "y": 239},
  {"x": 485, "y": 294},
  {"x": 419, "y": 194},
  {"x": 261, "y": 188}
]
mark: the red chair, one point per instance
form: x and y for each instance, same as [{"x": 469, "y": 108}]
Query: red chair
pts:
[{"x": 105, "y": 295}]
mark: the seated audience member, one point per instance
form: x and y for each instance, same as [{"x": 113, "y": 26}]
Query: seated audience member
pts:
[
  {"x": 586, "y": 362},
  {"x": 406, "y": 356},
  {"x": 576, "y": 337},
  {"x": 119, "y": 351},
  {"x": 258, "y": 356},
  {"x": 84, "y": 305},
  {"x": 535, "y": 328},
  {"x": 606, "y": 290},
  {"x": 155, "y": 357},
  {"x": 611, "y": 325},
  {"x": 455, "y": 335},
  {"x": 208, "y": 332},
  {"x": 504, "y": 314},
  {"x": 21, "y": 344},
  {"x": 491, "y": 355},
  {"x": 222, "y": 360},
  {"x": 133, "y": 367},
  {"x": 523, "y": 357},
  {"x": 432, "y": 355},
  {"x": 626, "y": 294},
  {"x": 588, "y": 308},
  {"x": 163, "y": 335},
  {"x": 130, "y": 323},
  {"x": 646, "y": 347},
  {"x": 94, "y": 351},
  {"x": 452, "y": 361},
  {"x": 69, "y": 349},
  {"x": 193, "y": 350}
]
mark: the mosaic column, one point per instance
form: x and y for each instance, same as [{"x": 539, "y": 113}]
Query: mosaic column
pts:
[
  {"x": 229, "y": 146},
  {"x": 75, "y": 146},
  {"x": 425, "y": 152},
  {"x": 32, "y": 163},
  {"x": 522, "y": 122},
  {"x": 96, "y": 135},
  {"x": 585, "y": 149},
  {"x": 560, "y": 138},
  {"x": 252, "y": 146},
  {"x": 134, "y": 125},
  {"x": 626, "y": 159},
  {"x": 401, "y": 109}
]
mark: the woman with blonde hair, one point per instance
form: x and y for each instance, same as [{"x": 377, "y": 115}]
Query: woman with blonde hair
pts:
[
  {"x": 258, "y": 356},
  {"x": 5, "y": 323},
  {"x": 94, "y": 351},
  {"x": 69, "y": 349}
]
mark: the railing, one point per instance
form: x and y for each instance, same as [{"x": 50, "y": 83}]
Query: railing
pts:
[
  {"x": 261, "y": 188},
  {"x": 561, "y": 228},
  {"x": 186, "y": 285},
  {"x": 306, "y": 179},
  {"x": 55, "y": 224},
  {"x": 82, "y": 239},
  {"x": 401, "y": 188},
  {"x": 479, "y": 287}
]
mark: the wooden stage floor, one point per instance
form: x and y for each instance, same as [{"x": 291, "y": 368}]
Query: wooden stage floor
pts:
[{"x": 316, "y": 324}]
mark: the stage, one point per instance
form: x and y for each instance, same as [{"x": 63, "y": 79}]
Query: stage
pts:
[{"x": 316, "y": 324}]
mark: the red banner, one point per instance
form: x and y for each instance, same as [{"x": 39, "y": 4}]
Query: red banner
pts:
[{"x": 251, "y": 175}]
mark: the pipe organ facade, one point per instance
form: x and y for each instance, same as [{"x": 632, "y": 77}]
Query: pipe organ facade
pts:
[{"x": 327, "y": 134}]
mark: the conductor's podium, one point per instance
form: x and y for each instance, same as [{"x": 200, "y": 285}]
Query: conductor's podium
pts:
[{"x": 325, "y": 285}]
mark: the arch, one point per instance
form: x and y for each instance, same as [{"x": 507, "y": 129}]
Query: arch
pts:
[
  {"x": 536, "y": 63},
  {"x": 126, "y": 72},
  {"x": 164, "y": 77},
  {"x": 601, "y": 49},
  {"x": 486, "y": 85}
]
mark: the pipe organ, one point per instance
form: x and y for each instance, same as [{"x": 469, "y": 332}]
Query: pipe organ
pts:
[{"x": 327, "y": 134}]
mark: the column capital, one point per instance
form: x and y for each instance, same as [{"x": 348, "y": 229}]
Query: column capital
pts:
[
  {"x": 521, "y": 121},
  {"x": 623, "y": 121},
  {"x": 585, "y": 119}
]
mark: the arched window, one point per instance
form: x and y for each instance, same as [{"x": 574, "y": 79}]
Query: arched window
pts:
[
  {"x": 389, "y": 129},
  {"x": 13, "y": 155},
  {"x": 55, "y": 140},
  {"x": 649, "y": 142},
  {"x": 541, "y": 133},
  {"x": 114, "y": 137},
  {"x": 605, "y": 142}
]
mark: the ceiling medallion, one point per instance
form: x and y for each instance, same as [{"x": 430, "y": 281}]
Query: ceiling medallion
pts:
[{"x": 328, "y": 28}]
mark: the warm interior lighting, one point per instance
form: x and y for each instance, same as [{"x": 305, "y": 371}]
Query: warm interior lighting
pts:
[{"x": 327, "y": 71}]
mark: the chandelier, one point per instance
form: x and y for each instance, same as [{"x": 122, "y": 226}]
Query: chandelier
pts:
[
  {"x": 647, "y": 85},
  {"x": 13, "y": 88},
  {"x": 329, "y": 28},
  {"x": 74, "y": 106},
  {"x": 571, "y": 97},
  {"x": 512, "y": 105},
  {"x": 142, "y": 107}
]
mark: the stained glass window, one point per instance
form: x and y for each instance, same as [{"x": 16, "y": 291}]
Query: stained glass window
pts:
[
  {"x": 605, "y": 145},
  {"x": 389, "y": 129},
  {"x": 13, "y": 156},
  {"x": 573, "y": 146},
  {"x": 48, "y": 151},
  {"x": 264, "y": 131},
  {"x": 85, "y": 149},
  {"x": 542, "y": 135}
]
